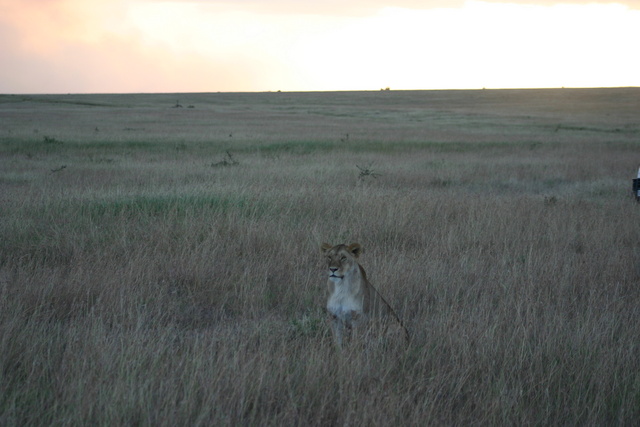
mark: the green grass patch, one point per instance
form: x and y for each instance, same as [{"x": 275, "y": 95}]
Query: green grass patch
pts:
[
  {"x": 163, "y": 205},
  {"x": 295, "y": 147},
  {"x": 52, "y": 232}
]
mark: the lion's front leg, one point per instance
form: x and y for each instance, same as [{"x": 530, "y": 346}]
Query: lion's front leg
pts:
[
  {"x": 337, "y": 327},
  {"x": 357, "y": 324}
]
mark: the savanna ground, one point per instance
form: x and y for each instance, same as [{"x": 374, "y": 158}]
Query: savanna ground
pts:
[{"x": 161, "y": 266}]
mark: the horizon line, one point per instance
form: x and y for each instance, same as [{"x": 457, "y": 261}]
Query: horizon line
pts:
[{"x": 386, "y": 89}]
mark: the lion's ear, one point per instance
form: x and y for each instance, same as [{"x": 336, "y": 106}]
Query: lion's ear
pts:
[
  {"x": 355, "y": 249},
  {"x": 325, "y": 247}
]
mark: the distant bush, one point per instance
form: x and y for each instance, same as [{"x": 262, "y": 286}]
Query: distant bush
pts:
[
  {"x": 367, "y": 171},
  {"x": 227, "y": 161},
  {"x": 51, "y": 140}
]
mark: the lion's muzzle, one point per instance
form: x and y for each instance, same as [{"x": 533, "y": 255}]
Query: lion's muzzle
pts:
[{"x": 333, "y": 274}]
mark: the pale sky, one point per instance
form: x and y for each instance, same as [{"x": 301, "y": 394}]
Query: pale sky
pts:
[{"x": 98, "y": 46}]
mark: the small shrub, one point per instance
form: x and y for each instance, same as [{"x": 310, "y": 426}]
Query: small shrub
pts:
[
  {"x": 306, "y": 326},
  {"x": 227, "y": 161},
  {"x": 367, "y": 171},
  {"x": 51, "y": 140}
]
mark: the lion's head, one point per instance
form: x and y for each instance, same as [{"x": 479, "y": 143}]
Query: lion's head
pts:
[{"x": 341, "y": 259}]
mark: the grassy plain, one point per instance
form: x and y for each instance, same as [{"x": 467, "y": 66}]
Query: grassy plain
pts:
[{"x": 146, "y": 280}]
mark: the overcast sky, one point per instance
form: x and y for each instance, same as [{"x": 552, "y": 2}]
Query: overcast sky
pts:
[{"x": 78, "y": 46}]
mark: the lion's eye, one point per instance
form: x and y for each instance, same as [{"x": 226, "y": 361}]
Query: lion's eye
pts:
[{"x": 344, "y": 258}]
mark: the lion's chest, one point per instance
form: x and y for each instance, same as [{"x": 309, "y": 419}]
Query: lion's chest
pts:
[{"x": 343, "y": 302}]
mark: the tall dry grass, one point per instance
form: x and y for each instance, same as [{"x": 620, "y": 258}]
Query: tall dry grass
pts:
[{"x": 142, "y": 285}]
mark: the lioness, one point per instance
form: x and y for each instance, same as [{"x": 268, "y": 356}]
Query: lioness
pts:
[{"x": 352, "y": 299}]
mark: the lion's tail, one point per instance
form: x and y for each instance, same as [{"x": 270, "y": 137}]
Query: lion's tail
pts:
[{"x": 395, "y": 315}]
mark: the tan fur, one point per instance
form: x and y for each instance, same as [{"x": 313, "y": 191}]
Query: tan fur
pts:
[{"x": 352, "y": 301}]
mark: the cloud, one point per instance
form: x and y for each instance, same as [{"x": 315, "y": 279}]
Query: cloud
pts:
[
  {"x": 634, "y": 4},
  {"x": 366, "y": 7},
  {"x": 197, "y": 45},
  {"x": 67, "y": 46},
  {"x": 482, "y": 45},
  {"x": 322, "y": 7}
]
